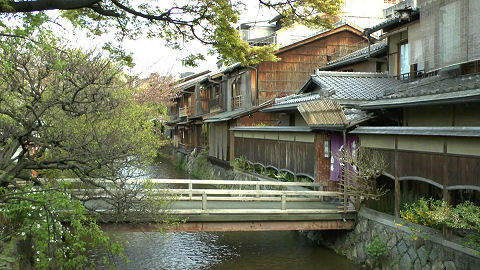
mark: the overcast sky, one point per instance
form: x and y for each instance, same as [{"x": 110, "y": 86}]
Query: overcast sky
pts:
[{"x": 151, "y": 55}]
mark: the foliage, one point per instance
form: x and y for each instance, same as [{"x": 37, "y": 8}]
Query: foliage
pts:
[
  {"x": 55, "y": 225},
  {"x": 243, "y": 163},
  {"x": 68, "y": 113},
  {"x": 377, "y": 249},
  {"x": 63, "y": 109},
  {"x": 363, "y": 167},
  {"x": 285, "y": 176},
  {"x": 271, "y": 173},
  {"x": 437, "y": 213},
  {"x": 177, "y": 22},
  {"x": 422, "y": 212},
  {"x": 201, "y": 168}
]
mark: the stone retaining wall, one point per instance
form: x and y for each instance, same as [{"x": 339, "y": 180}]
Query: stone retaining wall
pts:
[{"x": 409, "y": 246}]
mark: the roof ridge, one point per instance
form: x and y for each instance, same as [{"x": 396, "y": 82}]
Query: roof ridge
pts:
[{"x": 353, "y": 74}]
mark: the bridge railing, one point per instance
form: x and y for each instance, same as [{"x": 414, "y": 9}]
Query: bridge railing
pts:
[{"x": 188, "y": 190}]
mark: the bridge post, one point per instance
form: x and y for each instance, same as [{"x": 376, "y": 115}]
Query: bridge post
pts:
[
  {"x": 190, "y": 188},
  {"x": 284, "y": 201},
  {"x": 204, "y": 201}
]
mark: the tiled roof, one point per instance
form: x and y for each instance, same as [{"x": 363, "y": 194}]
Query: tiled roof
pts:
[
  {"x": 357, "y": 56},
  {"x": 356, "y": 86},
  {"x": 229, "y": 115},
  {"x": 440, "y": 88},
  {"x": 345, "y": 87},
  {"x": 392, "y": 22}
]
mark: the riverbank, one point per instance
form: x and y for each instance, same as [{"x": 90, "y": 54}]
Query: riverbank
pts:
[
  {"x": 398, "y": 244},
  {"x": 379, "y": 241}
]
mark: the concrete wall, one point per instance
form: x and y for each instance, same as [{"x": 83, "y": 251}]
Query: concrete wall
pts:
[{"x": 409, "y": 246}]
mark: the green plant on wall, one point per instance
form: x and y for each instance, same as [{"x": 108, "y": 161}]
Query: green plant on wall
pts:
[
  {"x": 464, "y": 218},
  {"x": 377, "y": 251}
]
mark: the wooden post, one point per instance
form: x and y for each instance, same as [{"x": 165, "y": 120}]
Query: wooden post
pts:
[
  {"x": 257, "y": 187},
  {"x": 190, "y": 188},
  {"x": 204, "y": 201},
  {"x": 284, "y": 201},
  {"x": 445, "y": 194},
  {"x": 345, "y": 174},
  {"x": 397, "y": 183}
]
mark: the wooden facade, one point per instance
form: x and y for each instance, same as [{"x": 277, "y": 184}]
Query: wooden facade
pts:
[
  {"x": 299, "y": 60},
  {"x": 290, "y": 151},
  {"x": 442, "y": 169}
]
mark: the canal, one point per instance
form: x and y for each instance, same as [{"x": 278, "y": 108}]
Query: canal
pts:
[{"x": 225, "y": 250}]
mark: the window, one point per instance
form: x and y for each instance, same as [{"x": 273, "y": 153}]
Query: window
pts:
[
  {"x": 403, "y": 61},
  {"x": 450, "y": 33}
]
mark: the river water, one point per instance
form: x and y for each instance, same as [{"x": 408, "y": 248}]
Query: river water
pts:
[{"x": 225, "y": 250}]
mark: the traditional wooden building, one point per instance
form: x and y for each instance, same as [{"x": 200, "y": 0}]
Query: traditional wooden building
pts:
[
  {"x": 428, "y": 128},
  {"x": 371, "y": 58},
  {"x": 312, "y": 125},
  {"x": 249, "y": 89},
  {"x": 181, "y": 110}
]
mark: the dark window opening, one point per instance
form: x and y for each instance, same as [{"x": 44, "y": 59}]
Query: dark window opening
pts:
[{"x": 471, "y": 67}]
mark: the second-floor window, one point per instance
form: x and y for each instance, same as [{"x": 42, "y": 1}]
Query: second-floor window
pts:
[
  {"x": 403, "y": 60},
  {"x": 236, "y": 94}
]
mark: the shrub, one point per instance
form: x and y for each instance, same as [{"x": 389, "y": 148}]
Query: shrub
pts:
[
  {"x": 436, "y": 213},
  {"x": 377, "y": 250},
  {"x": 423, "y": 212}
]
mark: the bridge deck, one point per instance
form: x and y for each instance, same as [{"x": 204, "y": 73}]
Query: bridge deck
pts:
[{"x": 246, "y": 209}]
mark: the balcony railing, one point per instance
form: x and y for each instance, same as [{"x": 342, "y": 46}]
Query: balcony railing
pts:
[
  {"x": 237, "y": 101},
  {"x": 182, "y": 111},
  {"x": 412, "y": 75}
]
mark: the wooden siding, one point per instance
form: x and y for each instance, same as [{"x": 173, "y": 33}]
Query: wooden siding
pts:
[
  {"x": 297, "y": 64},
  {"x": 298, "y": 157},
  {"x": 462, "y": 170}
]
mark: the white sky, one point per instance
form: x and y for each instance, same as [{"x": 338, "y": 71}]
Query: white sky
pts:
[{"x": 151, "y": 55}]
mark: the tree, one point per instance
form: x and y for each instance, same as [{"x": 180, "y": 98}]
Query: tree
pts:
[
  {"x": 209, "y": 21},
  {"x": 361, "y": 168},
  {"x": 67, "y": 113}
]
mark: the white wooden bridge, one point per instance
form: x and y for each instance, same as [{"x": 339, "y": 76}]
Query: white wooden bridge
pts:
[{"x": 233, "y": 205}]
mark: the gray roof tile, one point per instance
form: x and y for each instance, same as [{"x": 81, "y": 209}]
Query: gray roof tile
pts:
[
  {"x": 357, "y": 56},
  {"x": 434, "y": 85},
  {"x": 437, "y": 89},
  {"x": 358, "y": 86}
]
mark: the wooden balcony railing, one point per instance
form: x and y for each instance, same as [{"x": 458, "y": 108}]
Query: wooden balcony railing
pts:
[
  {"x": 182, "y": 111},
  {"x": 237, "y": 101}
]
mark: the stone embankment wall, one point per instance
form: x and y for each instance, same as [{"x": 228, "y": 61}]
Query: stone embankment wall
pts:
[
  {"x": 408, "y": 246},
  {"x": 198, "y": 165}
]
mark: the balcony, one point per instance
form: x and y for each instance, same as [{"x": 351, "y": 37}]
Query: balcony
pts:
[
  {"x": 185, "y": 111},
  {"x": 418, "y": 74},
  {"x": 237, "y": 102},
  {"x": 182, "y": 111},
  {"x": 214, "y": 104}
]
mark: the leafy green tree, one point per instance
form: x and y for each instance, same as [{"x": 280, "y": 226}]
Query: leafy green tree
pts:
[
  {"x": 67, "y": 113},
  {"x": 209, "y": 21}
]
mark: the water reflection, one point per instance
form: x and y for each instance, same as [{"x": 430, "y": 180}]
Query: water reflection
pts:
[
  {"x": 232, "y": 250},
  {"x": 218, "y": 251}
]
